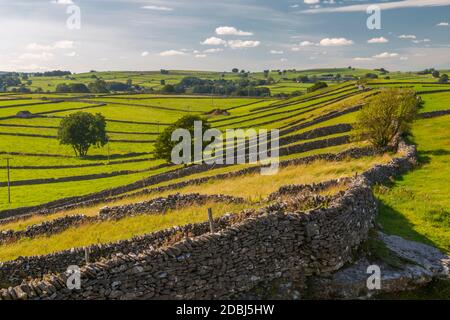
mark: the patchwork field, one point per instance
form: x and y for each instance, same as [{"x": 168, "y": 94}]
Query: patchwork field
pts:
[{"x": 315, "y": 135}]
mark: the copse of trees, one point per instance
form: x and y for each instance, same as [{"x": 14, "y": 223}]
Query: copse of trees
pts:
[
  {"x": 72, "y": 88},
  {"x": 164, "y": 144},
  {"x": 240, "y": 87},
  {"x": 55, "y": 73},
  {"x": 443, "y": 78},
  {"x": 83, "y": 130},
  {"x": 426, "y": 71},
  {"x": 317, "y": 86},
  {"x": 98, "y": 86},
  {"x": 387, "y": 116},
  {"x": 371, "y": 76},
  {"x": 9, "y": 80}
]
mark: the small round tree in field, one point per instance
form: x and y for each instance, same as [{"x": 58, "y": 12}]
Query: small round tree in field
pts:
[
  {"x": 164, "y": 143},
  {"x": 386, "y": 116},
  {"x": 443, "y": 78},
  {"x": 82, "y": 130}
]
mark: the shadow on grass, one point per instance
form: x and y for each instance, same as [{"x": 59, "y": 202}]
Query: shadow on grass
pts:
[
  {"x": 437, "y": 152},
  {"x": 116, "y": 156},
  {"x": 395, "y": 223}
]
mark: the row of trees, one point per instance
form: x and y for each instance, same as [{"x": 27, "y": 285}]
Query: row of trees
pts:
[
  {"x": 98, "y": 86},
  {"x": 241, "y": 87},
  {"x": 9, "y": 80},
  {"x": 442, "y": 78}
]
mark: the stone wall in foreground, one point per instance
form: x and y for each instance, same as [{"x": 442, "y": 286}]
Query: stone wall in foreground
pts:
[{"x": 261, "y": 246}]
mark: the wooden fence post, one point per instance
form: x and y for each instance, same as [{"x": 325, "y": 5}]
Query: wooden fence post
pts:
[
  {"x": 211, "y": 220},
  {"x": 86, "y": 255}
]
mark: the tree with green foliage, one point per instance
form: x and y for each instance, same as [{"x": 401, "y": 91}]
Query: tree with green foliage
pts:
[
  {"x": 317, "y": 86},
  {"x": 435, "y": 74},
  {"x": 371, "y": 76},
  {"x": 82, "y": 130},
  {"x": 168, "y": 88},
  {"x": 387, "y": 116},
  {"x": 72, "y": 88},
  {"x": 443, "y": 78},
  {"x": 98, "y": 86},
  {"x": 164, "y": 144}
]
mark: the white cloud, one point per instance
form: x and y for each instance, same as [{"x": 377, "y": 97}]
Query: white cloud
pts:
[
  {"x": 335, "y": 42},
  {"x": 276, "y": 52},
  {"x": 214, "y": 41},
  {"x": 199, "y": 56},
  {"x": 312, "y": 1},
  {"x": 362, "y": 59},
  {"x": 378, "y": 40},
  {"x": 70, "y": 54},
  {"x": 66, "y": 2},
  {"x": 145, "y": 53},
  {"x": 294, "y": 6},
  {"x": 231, "y": 31},
  {"x": 283, "y": 59},
  {"x": 171, "y": 53},
  {"x": 64, "y": 44},
  {"x": 407, "y": 36},
  {"x": 214, "y": 50},
  {"x": 36, "y": 56},
  {"x": 157, "y": 8},
  {"x": 404, "y": 58},
  {"x": 238, "y": 44},
  {"x": 385, "y": 55},
  {"x": 442, "y": 24},
  {"x": 420, "y": 41},
  {"x": 306, "y": 44},
  {"x": 303, "y": 44},
  {"x": 383, "y": 6}
]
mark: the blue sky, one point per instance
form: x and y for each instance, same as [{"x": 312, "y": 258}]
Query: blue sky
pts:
[{"x": 219, "y": 35}]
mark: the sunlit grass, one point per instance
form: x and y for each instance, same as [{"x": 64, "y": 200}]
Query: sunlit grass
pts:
[
  {"x": 111, "y": 231},
  {"x": 254, "y": 187},
  {"x": 418, "y": 205}
]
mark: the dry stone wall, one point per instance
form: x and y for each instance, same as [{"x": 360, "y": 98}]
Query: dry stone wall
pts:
[
  {"x": 265, "y": 246},
  {"x": 247, "y": 250},
  {"x": 433, "y": 114},
  {"x": 154, "y": 206},
  {"x": 99, "y": 197}
]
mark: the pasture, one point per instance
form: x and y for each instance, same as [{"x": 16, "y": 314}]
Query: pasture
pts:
[{"x": 41, "y": 170}]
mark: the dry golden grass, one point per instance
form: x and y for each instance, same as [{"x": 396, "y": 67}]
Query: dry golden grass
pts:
[
  {"x": 111, "y": 231},
  {"x": 253, "y": 187}
]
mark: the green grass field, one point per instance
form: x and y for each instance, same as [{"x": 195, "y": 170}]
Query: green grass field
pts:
[{"x": 416, "y": 206}]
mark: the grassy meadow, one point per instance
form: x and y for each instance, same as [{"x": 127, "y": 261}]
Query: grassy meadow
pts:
[{"x": 416, "y": 205}]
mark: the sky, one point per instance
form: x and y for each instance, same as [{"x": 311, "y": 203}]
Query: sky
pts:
[{"x": 84, "y": 35}]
